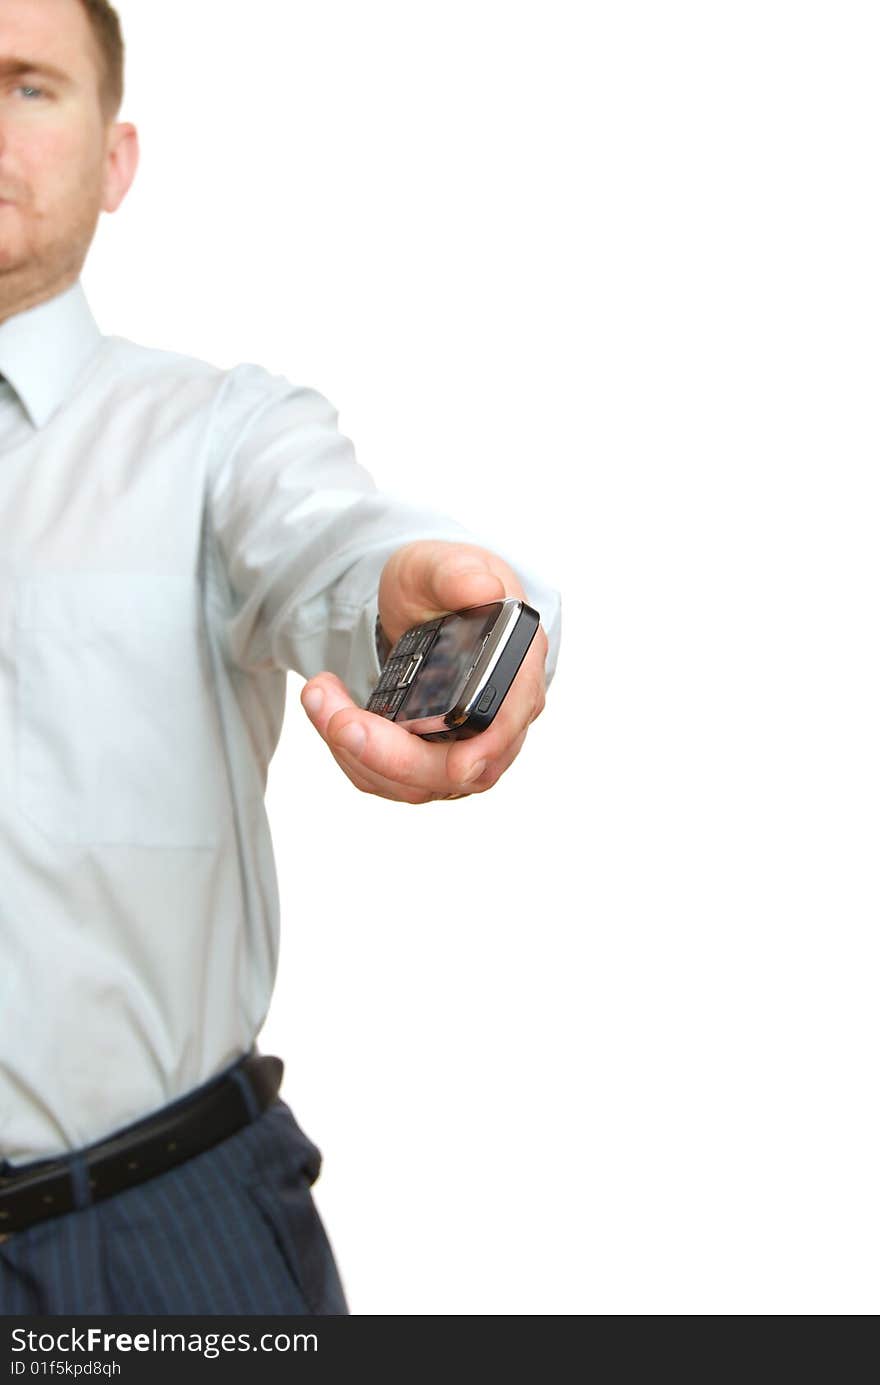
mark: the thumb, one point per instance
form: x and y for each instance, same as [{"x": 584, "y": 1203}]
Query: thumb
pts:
[
  {"x": 462, "y": 581},
  {"x": 430, "y": 578}
]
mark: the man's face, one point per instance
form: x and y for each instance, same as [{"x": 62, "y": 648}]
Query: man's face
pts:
[{"x": 59, "y": 160}]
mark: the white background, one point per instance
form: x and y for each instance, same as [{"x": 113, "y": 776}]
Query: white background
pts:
[{"x": 600, "y": 281}]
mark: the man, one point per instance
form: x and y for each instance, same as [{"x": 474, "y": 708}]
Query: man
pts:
[{"x": 176, "y": 538}]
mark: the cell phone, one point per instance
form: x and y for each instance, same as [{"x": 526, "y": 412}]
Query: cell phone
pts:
[{"x": 445, "y": 680}]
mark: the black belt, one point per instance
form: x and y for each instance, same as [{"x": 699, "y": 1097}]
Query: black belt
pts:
[{"x": 136, "y": 1152}]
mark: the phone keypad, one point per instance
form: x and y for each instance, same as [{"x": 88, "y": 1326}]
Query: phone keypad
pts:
[
  {"x": 393, "y": 673},
  {"x": 400, "y": 668},
  {"x": 386, "y": 703}
]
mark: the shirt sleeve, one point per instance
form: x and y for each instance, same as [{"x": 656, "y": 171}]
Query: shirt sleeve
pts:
[{"x": 303, "y": 532}]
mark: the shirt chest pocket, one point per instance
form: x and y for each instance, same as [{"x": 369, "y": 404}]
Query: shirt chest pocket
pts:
[{"x": 117, "y": 737}]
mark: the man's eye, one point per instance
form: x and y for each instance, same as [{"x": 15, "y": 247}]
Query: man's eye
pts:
[{"x": 25, "y": 87}]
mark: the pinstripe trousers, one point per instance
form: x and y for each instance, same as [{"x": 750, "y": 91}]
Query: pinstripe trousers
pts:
[{"x": 232, "y": 1230}]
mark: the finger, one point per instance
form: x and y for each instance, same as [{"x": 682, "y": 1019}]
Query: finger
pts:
[
  {"x": 494, "y": 770},
  {"x": 495, "y": 765},
  {"x": 333, "y": 695},
  {"x": 398, "y": 763},
  {"x": 394, "y": 754},
  {"x": 389, "y": 751},
  {"x": 525, "y": 701},
  {"x": 377, "y": 784},
  {"x": 398, "y": 755}
]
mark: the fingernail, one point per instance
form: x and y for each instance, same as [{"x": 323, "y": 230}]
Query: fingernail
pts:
[
  {"x": 313, "y": 700},
  {"x": 352, "y": 738},
  {"x": 475, "y": 772}
]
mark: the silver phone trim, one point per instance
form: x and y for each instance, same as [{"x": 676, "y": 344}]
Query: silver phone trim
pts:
[{"x": 476, "y": 678}]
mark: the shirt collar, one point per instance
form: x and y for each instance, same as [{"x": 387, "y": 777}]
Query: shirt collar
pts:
[{"x": 43, "y": 349}]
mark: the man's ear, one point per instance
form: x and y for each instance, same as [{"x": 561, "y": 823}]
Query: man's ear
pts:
[{"x": 123, "y": 153}]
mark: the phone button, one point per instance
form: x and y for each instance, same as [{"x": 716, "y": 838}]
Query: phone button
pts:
[
  {"x": 410, "y": 674},
  {"x": 486, "y": 700}
]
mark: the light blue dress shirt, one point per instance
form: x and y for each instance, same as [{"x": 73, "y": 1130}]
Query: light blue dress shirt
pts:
[{"x": 176, "y": 537}]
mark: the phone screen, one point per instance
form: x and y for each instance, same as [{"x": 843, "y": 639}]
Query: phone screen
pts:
[{"x": 448, "y": 663}]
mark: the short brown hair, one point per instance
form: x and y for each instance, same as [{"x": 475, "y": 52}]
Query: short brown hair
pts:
[{"x": 107, "y": 33}]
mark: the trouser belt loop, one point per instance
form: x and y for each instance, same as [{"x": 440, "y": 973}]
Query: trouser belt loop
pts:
[
  {"x": 79, "y": 1175},
  {"x": 247, "y": 1092}
]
